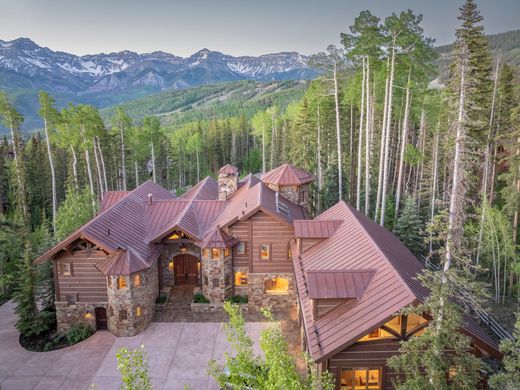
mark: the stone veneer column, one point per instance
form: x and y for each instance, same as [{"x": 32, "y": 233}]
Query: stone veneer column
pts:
[
  {"x": 129, "y": 298},
  {"x": 217, "y": 276}
]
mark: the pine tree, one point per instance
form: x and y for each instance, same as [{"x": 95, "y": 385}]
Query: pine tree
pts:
[
  {"x": 408, "y": 226},
  {"x": 25, "y": 293},
  {"x": 509, "y": 377}
]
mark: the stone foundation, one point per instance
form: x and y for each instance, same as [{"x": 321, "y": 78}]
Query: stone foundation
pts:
[
  {"x": 128, "y": 299},
  {"x": 169, "y": 252},
  {"x": 259, "y": 298},
  {"x": 81, "y": 312}
]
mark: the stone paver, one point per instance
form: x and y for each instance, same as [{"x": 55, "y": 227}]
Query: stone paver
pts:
[{"x": 178, "y": 354}]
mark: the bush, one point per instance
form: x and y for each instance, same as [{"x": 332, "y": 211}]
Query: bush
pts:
[
  {"x": 238, "y": 299},
  {"x": 78, "y": 332},
  {"x": 134, "y": 369},
  {"x": 200, "y": 298}
]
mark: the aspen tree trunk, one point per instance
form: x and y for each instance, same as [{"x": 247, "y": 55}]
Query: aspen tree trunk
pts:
[
  {"x": 422, "y": 149},
  {"x": 90, "y": 179},
  {"x": 381, "y": 153},
  {"x": 273, "y": 137},
  {"x": 367, "y": 140},
  {"x": 198, "y": 165},
  {"x": 338, "y": 133},
  {"x": 515, "y": 222},
  {"x": 263, "y": 150},
  {"x": 360, "y": 140},
  {"x": 387, "y": 135},
  {"x": 102, "y": 164},
  {"x": 18, "y": 169},
  {"x": 136, "y": 171},
  {"x": 435, "y": 154},
  {"x": 318, "y": 163},
  {"x": 351, "y": 153},
  {"x": 75, "y": 167},
  {"x": 404, "y": 138},
  {"x": 123, "y": 157},
  {"x": 98, "y": 168},
  {"x": 53, "y": 174},
  {"x": 487, "y": 152},
  {"x": 154, "y": 174}
]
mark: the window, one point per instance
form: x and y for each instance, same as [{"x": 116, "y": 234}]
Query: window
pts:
[
  {"x": 122, "y": 315},
  {"x": 71, "y": 299},
  {"x": 241, "y": 248},
  {"x": 226, "y": 252},
  {"x": 276, "y": 285},
  {"x": 170, "y": 266},
  {"x": 205, "y": 252},
  {"x": 215, "y": 283},
  {"x": 215, "y": 253},
  {"x": 289, "y": 253},
  {"x": 413, "y": 322},
  {"x": 241, "y": 278},
  {"x": 392, "y": 329},
  {"x": 205, "y": 280},
  {"x": 138, "y": 311},
  {"x": 137, "y": 280},
  {"x": 66, "y": 269},
  {"x": 360, "y": 378},
  {"x": 265, "y": 252},
  {"x": 121, "y": 282}
]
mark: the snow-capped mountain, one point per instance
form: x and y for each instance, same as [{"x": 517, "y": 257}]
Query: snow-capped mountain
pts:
[{"x": 25, "y": 64}]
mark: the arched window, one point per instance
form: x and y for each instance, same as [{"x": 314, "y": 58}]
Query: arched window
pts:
[
  {"x": 276, "y": 285},
  {"x": 411, "y": 324}
]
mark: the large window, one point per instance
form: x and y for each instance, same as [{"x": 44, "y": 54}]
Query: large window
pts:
[
  {"x": 361, "y": 378},
  {"x": 241, "y": 278},
  {"x": 415, "y": 324},
  {"x": 276, "y": 285},
  {"x": 215, "y": 253}
]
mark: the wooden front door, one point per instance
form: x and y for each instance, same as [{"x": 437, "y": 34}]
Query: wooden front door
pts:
[
  {"x": 101, "y": 318},
  {"x": 185, "y": 269}
]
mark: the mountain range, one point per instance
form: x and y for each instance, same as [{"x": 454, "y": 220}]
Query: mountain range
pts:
[{"x": 106, "y": 79}]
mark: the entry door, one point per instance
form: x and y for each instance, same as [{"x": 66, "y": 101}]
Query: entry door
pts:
[
  {"x": 185, "y": 269},
  {"x": 101, "y": 318}
]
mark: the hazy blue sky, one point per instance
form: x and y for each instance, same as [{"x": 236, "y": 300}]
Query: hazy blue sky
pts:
[{"x": 237, "y": 27}]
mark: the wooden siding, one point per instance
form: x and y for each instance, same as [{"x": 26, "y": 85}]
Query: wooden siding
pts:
[
  {"x": 266, "y": 230},
  {"x": 366, "y": 354},
  {"x": 86, "y": 280},
  {"x": 241, "y": 230}
]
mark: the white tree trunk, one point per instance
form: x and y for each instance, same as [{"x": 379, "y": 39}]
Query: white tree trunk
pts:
[
  {"x": 381, "y": 153},
  {"x": 98, "y": 167},
  {"x": 123, "y": 157},
  {"x": 75, "y": 167},
  {"x": 102, "y": 164},
  {"x": 435, "y": 157},
  {"x": 360, "y": 140},
  {"x": 338, "y": 134},
  {"x": 318, "y": 162},
  {"x": 386, "y": 166},
  {"x": 53, "y": 175},
  {"x": 367, "y": 139},
  {"x": 154, "y": 175},
  {"x": 404, "y": 139},
  {"x": 136, "y": 171}
]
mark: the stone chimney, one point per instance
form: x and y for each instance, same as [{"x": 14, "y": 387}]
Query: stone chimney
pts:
[{"x": 227, "y": 181}]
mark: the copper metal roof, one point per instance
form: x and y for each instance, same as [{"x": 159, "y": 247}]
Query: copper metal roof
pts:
[
  {"x": 123, "y": 262},
  {"x": 217, "y": 238},
  {"x": 315, "y": 229},
  {"x": 111, "y": 198},
  {"x": 286, "y": 175},
  {"x": 228, "y": 170},
  {"x": 206, "y": 189},
  {"x": 359, "y": 243},
  {"x": 338, "y": 284}
]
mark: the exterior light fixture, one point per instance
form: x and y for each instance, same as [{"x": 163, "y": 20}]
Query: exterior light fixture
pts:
[{"x": 88, "y": 315}]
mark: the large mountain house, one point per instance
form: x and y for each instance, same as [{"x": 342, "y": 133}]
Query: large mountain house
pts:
[{"x": 347, "y": 276}]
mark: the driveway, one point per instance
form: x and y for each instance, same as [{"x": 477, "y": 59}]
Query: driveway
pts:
[{"x": 178, "y": 354}]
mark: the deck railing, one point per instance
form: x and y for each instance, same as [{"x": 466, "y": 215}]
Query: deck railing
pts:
[{"x": 471, "y": 305}]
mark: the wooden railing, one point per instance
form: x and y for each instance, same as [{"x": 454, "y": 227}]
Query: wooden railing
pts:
[{"x": 471, "y": 305}]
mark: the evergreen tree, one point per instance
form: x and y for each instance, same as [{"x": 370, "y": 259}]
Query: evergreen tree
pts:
[
  {"x": 408, "y": 226},
  {"x": 75, "y": 211},
  {"x": 25, "y": 294},
  {"x": 509, "y": 377}
]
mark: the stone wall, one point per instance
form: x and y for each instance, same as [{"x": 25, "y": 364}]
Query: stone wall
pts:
[
  {"x": 128, "y": 299},
  {"x": 69, "y": 315},
  {"x": 259, "y": 298},
  {"x": 169, "y": 252},
  {"x": 217, "y": 277},
  {"x": 227, "y": 184}
]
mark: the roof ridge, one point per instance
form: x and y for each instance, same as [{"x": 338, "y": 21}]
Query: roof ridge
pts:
[{"x": 360, "y": 225}]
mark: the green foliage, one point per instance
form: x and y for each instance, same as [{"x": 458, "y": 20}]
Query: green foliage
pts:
[
  {"x": 275, "y": 370},
  {"x": 509, "y": 377},
  {"x": 78, "y": 332},
  {"x": 409, "y": 225},
  {"x": 74, "y": 212},
  {"x": 441, "y": 358},
  {"x": 239, "y": 299},
  {"x": 200, "y": 298},
  {"x": 134, "y": 369}
]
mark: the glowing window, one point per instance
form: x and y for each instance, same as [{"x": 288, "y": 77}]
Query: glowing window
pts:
[
  {"x": 170, "y": 265},
  {"x": 413, "y": 322},
  {"x": 66, "y": 269},
  {"x": 394, "y": 324},
  {"x": 226, "y": 252},
  {"x": 265, "y": 251},
  {"x": 241, "y": 278},
  {"x": 360, "y": 378},
  {"x": 241, "y": 248},
  {"x": 215, "y": 253},
  {"x": 121, "y": 282},
  {"x": 137, "y": 280},
  {"x": 206, "y": 252},
  {"x": 276, "y": 285},
  {"x": 138, "y": 311}
]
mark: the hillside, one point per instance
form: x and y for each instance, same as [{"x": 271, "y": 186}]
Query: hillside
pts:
[
  {"x": 506, "y": 45},
  {"x": 210, "y": 101}
]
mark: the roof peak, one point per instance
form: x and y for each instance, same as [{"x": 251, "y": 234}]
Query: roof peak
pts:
[{"x": 287, "y": 174}]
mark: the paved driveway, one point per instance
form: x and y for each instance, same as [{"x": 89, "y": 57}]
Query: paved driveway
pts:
[{"x": 178, "y": 354}]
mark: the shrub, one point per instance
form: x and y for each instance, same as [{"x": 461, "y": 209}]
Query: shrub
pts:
[
  {"x": 133, "y": 366},
  {"x": 78, "y": 332},
  {"x": 238, "y": 299},
  {"x": 200, "y": 298}
]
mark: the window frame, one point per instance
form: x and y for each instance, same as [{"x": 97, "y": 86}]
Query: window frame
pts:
[
  {"x": 276, "y": 292},
  {"x": 367, "y": 370},
  {"x": 243, "y": 251},
  {"x": 269, "y": 248},
  {"x": 138, "y": 311},
  {"x": 120, "y": 285},
  {"x": 243, "y": 275},
  {"x": 213, "y": 257},
  {"x": 72, "y": 299},
  {"x": 227, "y": 251},
  {"x": 123, "y": 315},
  {"x": 69, "y": 272}
]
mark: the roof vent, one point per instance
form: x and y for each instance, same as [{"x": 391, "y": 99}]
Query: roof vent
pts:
[{"x": 150, "y": 198}]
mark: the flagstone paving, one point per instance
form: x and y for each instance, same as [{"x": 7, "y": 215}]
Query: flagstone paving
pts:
[{"x": 178, "y": 352}]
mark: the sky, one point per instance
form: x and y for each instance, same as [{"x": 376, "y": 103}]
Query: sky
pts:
[{"x": 236, "y": 27}]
